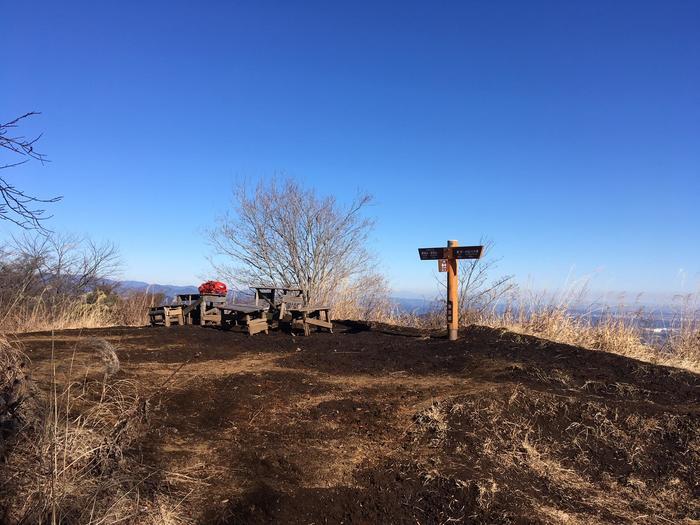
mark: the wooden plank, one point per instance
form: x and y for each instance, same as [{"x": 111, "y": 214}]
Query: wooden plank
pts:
[
  {"x": 256, "y": 326},
  {"x": 192, "y": 306},
  {"x": 214, "y": 298},
  {"x": 187, "y": 296},
  {"x": 307, "y": 309},
  {"x": 242, "y": 308},
  {"x": 319, "y": 322},
  {"x": 275, "y": 287}
]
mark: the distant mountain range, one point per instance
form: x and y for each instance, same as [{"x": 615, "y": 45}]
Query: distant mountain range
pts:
[{"x": 169, "y": 290}]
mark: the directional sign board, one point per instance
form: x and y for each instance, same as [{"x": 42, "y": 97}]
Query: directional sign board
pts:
[
  {"x": 431, "y": 253},
  {"x": 458, "y": 252},
  {"x": 467, "y": 252},
  {"x": 447, "y": 262}
]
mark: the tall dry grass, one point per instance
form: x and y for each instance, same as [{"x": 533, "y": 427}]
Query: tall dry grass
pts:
[
  {"x": 366, "y": 299},
  {"x": 94, "y": 310},
  {"x": 561, "y": 318},
  {"x": 620, "y": 330},
  {"x": 69, "y": 447}
]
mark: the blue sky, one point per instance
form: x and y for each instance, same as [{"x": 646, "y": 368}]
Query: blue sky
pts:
[{"x": 567, "y": 132}]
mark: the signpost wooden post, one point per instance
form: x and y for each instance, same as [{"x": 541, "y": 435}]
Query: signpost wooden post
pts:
[
  {"x": 452, "y": 302},
  {"x": 450, "y": 255}
]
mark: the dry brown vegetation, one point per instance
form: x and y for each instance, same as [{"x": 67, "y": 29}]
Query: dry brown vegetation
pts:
[
  {"x": 607, "y": 329},
  {"x": 69, "y": 443},
  {"x": 96, "y": 309},
  {"x": 366, "y": 426},
  {"x": 58, "y": 281},
  {"x": 610, "y": 332}
]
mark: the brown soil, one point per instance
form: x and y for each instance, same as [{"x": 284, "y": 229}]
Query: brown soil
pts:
[{"x": 379, "y": 426}]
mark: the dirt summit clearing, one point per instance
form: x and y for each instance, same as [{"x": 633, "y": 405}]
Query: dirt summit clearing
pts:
[{"x": 368, "y": 426}]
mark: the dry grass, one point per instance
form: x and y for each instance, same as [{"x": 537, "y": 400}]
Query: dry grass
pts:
[
  {"x": 94, "y": 310},
  {"x": 15, "y": 390},
  {"x": 611, "y": 330},
  {"x": 70, "y": 454},
  {"x": 432, "y": 420},
  {"x": 571, "y": 452},
  {"x": 615, "y": 330}
]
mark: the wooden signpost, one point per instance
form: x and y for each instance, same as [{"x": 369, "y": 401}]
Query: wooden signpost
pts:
[{"x": 447, "y": 258}]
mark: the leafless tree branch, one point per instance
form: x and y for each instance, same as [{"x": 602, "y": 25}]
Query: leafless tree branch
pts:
[
  {"x": 17, "y": 206},
  {"x": 480, "y": 293}
]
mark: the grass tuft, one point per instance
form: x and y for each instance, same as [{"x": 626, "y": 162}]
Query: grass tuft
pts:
[{"x": 70, "y": 448}]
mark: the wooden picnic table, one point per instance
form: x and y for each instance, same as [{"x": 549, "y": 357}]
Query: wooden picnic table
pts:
[
  {"x": 307, "y": 316},
  {"x": 246, "y": 317},
  {"x": 274, "y": 305}
]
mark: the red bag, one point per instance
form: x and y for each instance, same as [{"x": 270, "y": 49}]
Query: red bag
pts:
[{"x": 212, "y": 288}]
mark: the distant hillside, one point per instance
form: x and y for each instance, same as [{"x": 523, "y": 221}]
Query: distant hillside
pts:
[{"x": 169, "y": 290}]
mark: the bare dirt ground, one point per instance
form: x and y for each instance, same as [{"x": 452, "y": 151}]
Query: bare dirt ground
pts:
[{"x": 365, "y": 426}]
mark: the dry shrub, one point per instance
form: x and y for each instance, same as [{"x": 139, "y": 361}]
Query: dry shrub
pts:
[
  {"x": 365, "y": 299},
  {"x": 36, "y": 314},
  {"x": 282, "y": 232},
  {"x": 131, "y": 308},
  {"x": 74, "y": 457},
  {"x": 59, "y": 281},
  {"x": 15, "y": 391}
]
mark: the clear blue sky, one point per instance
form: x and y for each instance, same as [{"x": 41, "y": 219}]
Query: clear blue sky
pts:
[{"x": 568, "y": 132}]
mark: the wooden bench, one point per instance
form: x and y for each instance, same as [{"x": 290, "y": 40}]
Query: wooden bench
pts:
[
  {"x": 244, "y": 317},
  {"x": 209, "y": 312},
  {"x": 188, "y": 309},
  {"x": 296, "y": 314},
  {"x": 167, "y": 315},
  {"x": 306, "y": 317},
  {"x": 191, "y": 304}
]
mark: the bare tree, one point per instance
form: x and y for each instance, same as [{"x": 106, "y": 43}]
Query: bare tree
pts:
[
  {"x": 67, "y": 264},
  {"x": 55, "y": 266},
  {"x": 49, "y": 274},
  {"x": 281, "y": 233},
  {"x": 479, "y": 291},
  {"x": 17, "y": 206}
]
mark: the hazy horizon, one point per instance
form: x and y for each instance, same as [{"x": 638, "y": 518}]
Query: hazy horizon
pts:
[{"x": 611, "y": 297}]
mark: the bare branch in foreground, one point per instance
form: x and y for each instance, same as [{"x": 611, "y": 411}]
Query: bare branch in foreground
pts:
[{"x": 16, "y": 206}]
